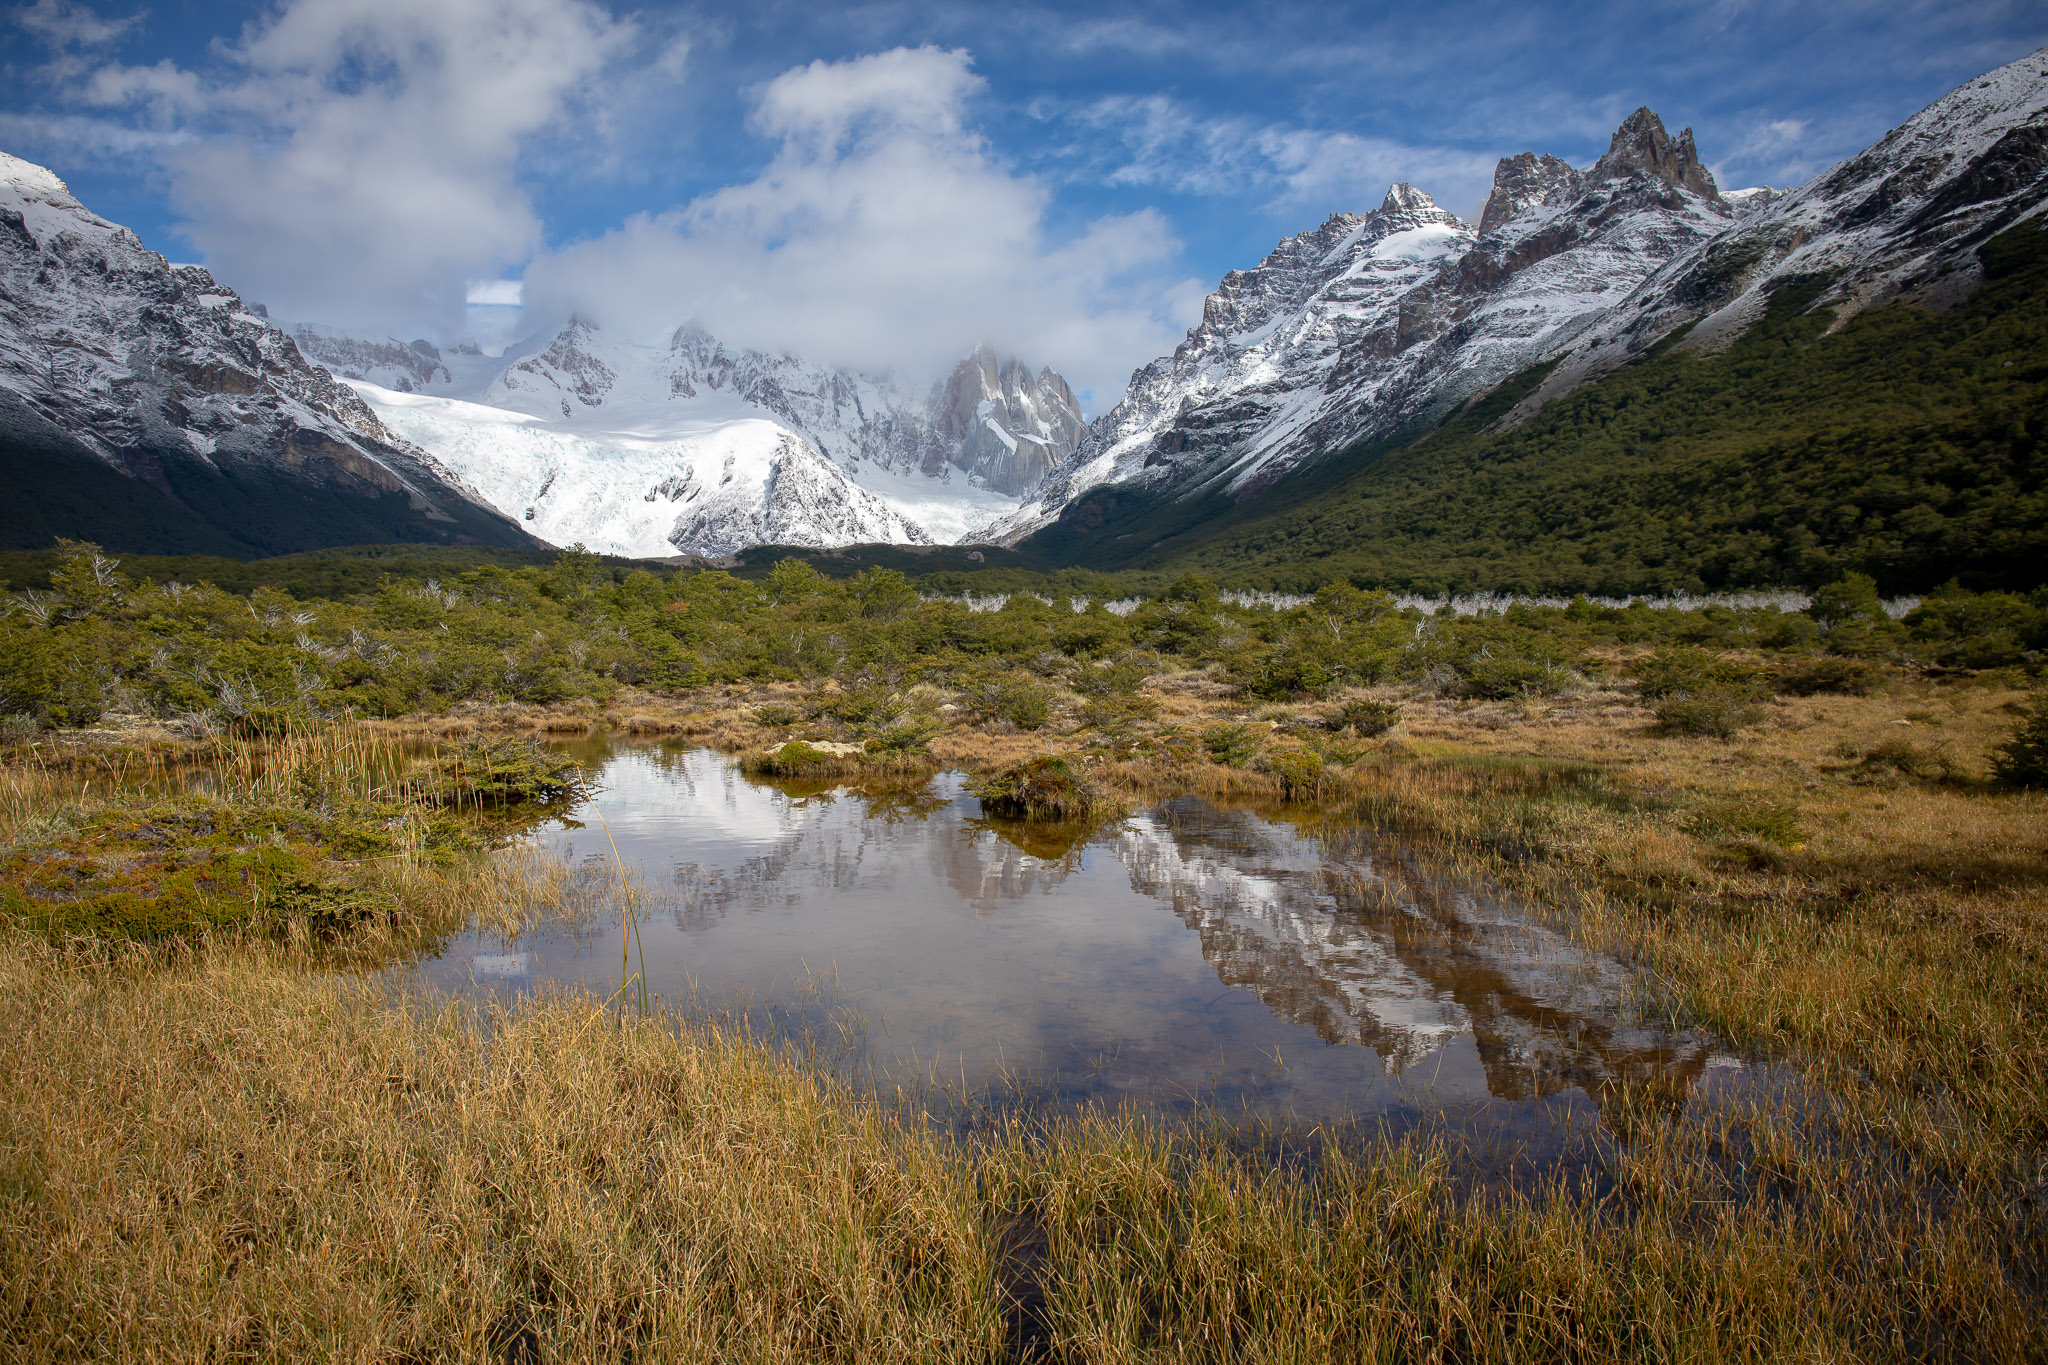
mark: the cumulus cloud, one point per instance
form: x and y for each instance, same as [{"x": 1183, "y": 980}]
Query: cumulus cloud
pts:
[
  {"x": 883, "y": 234},
  {"x": 352, "y": 161}
]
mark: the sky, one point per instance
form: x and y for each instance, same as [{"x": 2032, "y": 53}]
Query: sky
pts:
[{"x": 883, "y": 185}]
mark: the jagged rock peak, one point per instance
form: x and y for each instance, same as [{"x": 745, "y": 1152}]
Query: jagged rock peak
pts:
[
  {"x": 1523, "y": 182},
  {"x": 1402, "y": 195},
  {"x": 1642, "y": 145}
]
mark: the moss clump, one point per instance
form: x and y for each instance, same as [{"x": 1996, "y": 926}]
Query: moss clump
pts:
[
  {"x": 504, "y": 772},
  {"x": 798, "y": 759},
  {"x": 1045, "y": 788},
  {"x": 178, "y": 869}
]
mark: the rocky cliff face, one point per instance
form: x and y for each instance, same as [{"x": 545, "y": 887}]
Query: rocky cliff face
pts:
[
  {"x": 690, "y": 446},
  {"x": 393, "y": 364},
  {"x": 1376, "y": 328},
  {"x": 115, "y": 365}
]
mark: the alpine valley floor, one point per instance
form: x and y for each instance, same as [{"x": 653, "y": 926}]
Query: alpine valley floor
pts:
[{"x": 1812, "y": 841}]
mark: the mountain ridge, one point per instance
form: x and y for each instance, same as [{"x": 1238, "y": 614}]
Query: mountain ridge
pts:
[{"x": 122, "y": 372}]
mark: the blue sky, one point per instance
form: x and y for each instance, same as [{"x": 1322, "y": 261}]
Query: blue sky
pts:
[{"x": 882, "y": 184}]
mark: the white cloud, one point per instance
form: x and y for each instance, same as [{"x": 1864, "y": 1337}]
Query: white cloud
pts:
[
  {"x": 352, "y": 161},
  {"x": 494, "y": 293},
  {"x": 62, "y": 24},
  {"x": 883, "y": 234},
  {"x": 1154, "y": 140}
]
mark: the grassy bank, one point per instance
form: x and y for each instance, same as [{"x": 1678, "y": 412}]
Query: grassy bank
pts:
[{"x": 563, "y": 1183}]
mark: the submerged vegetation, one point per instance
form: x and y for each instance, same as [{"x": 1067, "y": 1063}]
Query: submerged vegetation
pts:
[{"x": 220, "y": 1144}]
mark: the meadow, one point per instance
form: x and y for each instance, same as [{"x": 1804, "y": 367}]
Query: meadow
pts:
[{"x": 1814, "y": 833}]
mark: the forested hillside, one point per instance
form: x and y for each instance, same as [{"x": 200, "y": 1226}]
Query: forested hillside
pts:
[{"x": 1905, "y": 445}]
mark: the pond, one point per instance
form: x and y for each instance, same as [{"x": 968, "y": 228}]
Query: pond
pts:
[{"x": 1194, "y": 958}]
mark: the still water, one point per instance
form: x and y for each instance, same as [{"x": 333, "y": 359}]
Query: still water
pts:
[{"x": 1193, "y": 957}]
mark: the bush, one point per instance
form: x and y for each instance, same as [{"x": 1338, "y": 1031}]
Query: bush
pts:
[
  {"x": 1903, "y": 758},
  {"x": 1717, "y": 712},
  {"x": 1497, "y": 677},
  {"x": 1750, "y": 821},
  {"x": 1233, "y": 746},
  {"x": 1366, "y": 716},
  {"x": 1825, "y": 677},
  {"x": 1300, "y": 774},
  {"x": 1047, "y": 788},
  {"x": 1684, "y": 670},
  {"x": 2022, "y": 761},
  {"x": 1018, "y": 698}
]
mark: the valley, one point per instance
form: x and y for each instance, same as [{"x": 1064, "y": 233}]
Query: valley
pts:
[{"x": 1487, "y": 805}]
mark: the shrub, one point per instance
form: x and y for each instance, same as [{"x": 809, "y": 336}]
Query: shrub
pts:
[
  {"x": 1300, "y": 774},
  {"x": 1746, "y": 821},
  {"x": 1233, "y": 746},
  {"x": 776, "y": 714},
  {"x": 1904, "y": 758},
  {"x": 1366, "y": 716},
  {"x": 1496, "y": 677},
  {"x": 1048, "y": 787},
  {"x": 1825, "y": 677},
  {"x": 1683, "y": 670},
  {"x": 2022, "y": 761},
  {"x": 1018, "y": 698},
  {"x": 1717, "y": 712}
]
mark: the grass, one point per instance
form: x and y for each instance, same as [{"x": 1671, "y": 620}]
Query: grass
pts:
[
  {"x": 233, "y": 1151},
  {"x": 453, "y": 1182}
]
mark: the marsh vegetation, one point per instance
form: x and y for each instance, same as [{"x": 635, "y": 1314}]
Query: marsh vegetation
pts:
[{"x": 227, "y": 830}]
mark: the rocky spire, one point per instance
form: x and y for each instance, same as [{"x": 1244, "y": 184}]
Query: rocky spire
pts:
[
  {"x": 1402, "y": 195},
  {"x": 1522, "y": 182},
  {"x": 1641, "y": 145}
]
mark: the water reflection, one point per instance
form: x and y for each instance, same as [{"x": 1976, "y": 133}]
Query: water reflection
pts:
[{"x": 1190, "y": 955}]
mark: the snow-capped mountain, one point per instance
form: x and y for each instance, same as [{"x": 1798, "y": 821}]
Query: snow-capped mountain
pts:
[
  {"x": 1372, "y": 325},
  {"x": 146, "y": 405},
  {"x": 1902, "y": 219},
  {"x": 685, "y": 446},
  {"x": 1377, "y": 327}
]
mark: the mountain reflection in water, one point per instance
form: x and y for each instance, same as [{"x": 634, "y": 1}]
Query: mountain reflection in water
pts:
[{"x": 1190, "y": 956}]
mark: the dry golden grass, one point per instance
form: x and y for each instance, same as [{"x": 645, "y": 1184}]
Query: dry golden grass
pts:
[
  {"x": 225, "y": 1157},
  {"x": 228, "y": 1159},
  {"x": 235, "y": 1153}
]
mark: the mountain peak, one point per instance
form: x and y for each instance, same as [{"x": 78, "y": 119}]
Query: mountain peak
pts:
[
  {"x": 1642, "y": 145},
  {"x": 1402, "y": 195},
  {"x": 28, "y": 177},
  {"x": 1522, "y": 182}
]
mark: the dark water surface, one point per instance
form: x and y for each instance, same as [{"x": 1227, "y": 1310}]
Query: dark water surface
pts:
[{"x": 1195, "y": 958}]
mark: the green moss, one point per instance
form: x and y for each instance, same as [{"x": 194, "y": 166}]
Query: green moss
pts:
[{"x": 176, "y": 869}]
